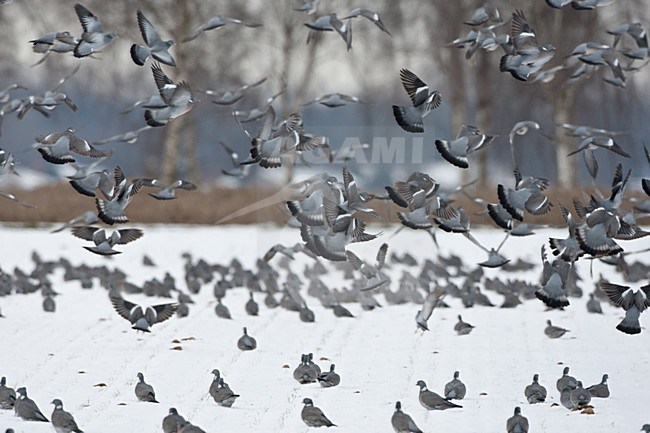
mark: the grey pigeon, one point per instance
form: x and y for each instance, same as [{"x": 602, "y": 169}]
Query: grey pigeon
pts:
[
  {"x": 495, "y": 259},
  {"x": 370, "y": 272},
  {"x": 535, "y": 393},
  {"x": 554, "y": 278},
  {"x": 111, "y": 209},
  {"x": 312, "y": 364},
  {"x": 93, "y": 39},
  {"x": 468, "y": 141},
  {"x": 370, "y": 15},
  {"x": 167, "y": 192},
  {"x": 237, "y": 169},
  {"x": 222, "y": 311},
  {"x": 432, "y": 300},
  {"x": 340, "y": 311},
  {"x": 328, "y": 23},
  {"x": 553, "y": 331},
  {"x": 565, "y": 397},
  {"x": 635, "y": 30},
  {"x": 178, "y": 99},
  {"x": 410, "y": 118},
  {"x": 403, "y": 423},
  {"x": 528, "y": 57},
  {"x": 484, "y": 14},
  {"x": 567, "y": 249},
  {"x": 590, "y": 4},
  {"x": 26, "y": 408},
  {"x": 306, "y": 315},
  {"x": 251, "y": 307},
  {"x": 49, "y": 305},
  {"x": 154, "y": 46},
  {"x": 527, "y": 196},
  {"x": 62, "y": 421},
  {"x": 56, "y": 148},
  {"x": 566, "y": 381},
  {"x": 246, "y": 342},
  {"x": 215, "y": 23},
  {"x": 462, "y": 328},
  {"x": 517, "y": 423},
  {"x": 170, "y": 422},
  {"x": 329, "y": 378},
  {"x": 304, "y": 373},
  {"x": 600, "y": 142},
  {"x": 103, "y": 244},
  {"x": 633, "y": 302},
  {"x": 645, "y": 428},
  {"x": 141, "y": 319},
  {"x": 455, "y": 390},
  {"x": 229, "y": 97},
  {"x": 333, "y": 100},
  {"x": 580, "y": 397},
  {"x": 600, "y": 390},
  {"x": 593, "y": 305},
  {"x": 432, "y": 401},
  {"x": 313, "y": 416},
  {"x": 126, "y": 137},
  {"x": 144, "y": 391},
  {"x": 221, "y": 392},
  {"x": 7, "y": 395}
]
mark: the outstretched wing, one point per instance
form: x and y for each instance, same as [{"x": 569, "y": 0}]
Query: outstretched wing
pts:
[
  {"x": 122, "y": 306},
  {"x": 164, "y": 312}
]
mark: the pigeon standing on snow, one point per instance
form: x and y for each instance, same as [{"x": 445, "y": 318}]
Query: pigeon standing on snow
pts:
[
  {"x": 403, "y": 423},
  {"x": 313, "y": 416},
  {"x": 455, "y": 390},
  {"x": 26, "y": 408},
  {"x": 144, "y": 391},
  {"x": 553, "y": 331},
  {"x": 170, "y": 422},
  {"x": 141, "y": 319},
  {"x": 329, "y": 378},
  {"x": 593, "y": 305},
  {"x": 252, "y": 308},
  {"x": 566, "y": 381},
  {"x": 93, "y": 39},
  {"x": 517, "y": 423},
  {"x": 432, "y": 401},
  {"x": 7, "y": 395},
  {"x": 62, "y": 421},
  {"x": 246, "y": 342},
  {"x": 600, "y": 390},
  {"x": 155, "y": 47},
  {"x": 535, "y": 393},
  {"x": 461, "y": 327},
  {"x": 410, "y": 118}
]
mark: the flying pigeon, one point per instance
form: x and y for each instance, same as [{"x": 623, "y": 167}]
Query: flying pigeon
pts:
[
  {"x": 93, "y": 39},
  {"x": 634, "y": 302},
  {"x": 141, "y": 319},
  {"x": 215, "y": 23},
  {"x": 166, "y": 192},
  {"x": 410, "y": 118},
  {"x": 178, "y": 99},
  {"x": 103, "y": 245},
  {"x": 155, "y": 47}
]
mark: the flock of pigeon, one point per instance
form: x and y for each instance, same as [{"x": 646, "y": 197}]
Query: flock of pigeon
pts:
[{"x": 330, "y": 214}]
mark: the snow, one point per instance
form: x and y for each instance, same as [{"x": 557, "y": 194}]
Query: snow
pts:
[{"x": 378, "y": 354}]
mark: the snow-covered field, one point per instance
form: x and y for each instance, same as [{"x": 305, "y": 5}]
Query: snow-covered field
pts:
[{"x": 378, "y": 354}]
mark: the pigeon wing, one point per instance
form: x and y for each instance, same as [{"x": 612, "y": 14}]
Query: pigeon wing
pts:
[
  {"x": 149, "y": 33},
  {"x": 614, "y": 292},
  {"x": 417, "y": 89},
  {"x": 122, "y": 306},
  {"x": 89, "y": 21},
  {"x": 164, "y": 312}
]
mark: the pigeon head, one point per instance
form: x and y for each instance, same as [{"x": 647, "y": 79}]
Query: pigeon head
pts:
[
  {"x": 308, "y": 402},
  {"x": 535, "y": 377},
  {"x": 110, "y": 36},
  {"x": 245, "y": 331},
  {"x": 421, "y": 384},
  {"x": 605, "y": 377},
  {"x": 310, "y": 357},
  {"x": 548, "y": 322},
  {"x": 398, "y": 406},
  {"x": 216, "y": 372},
  {"x": 141, "y": 377},
  {"x": 566, "y": 370},
  {"x": 517, "y": 410},
  {"x": 460, "y": 318},
  {"x": 3, "y": 381},
  {"x": 58, "y": 404},
  {"x": 579, "y": 384},
  {"x": 456, "y": 374},
  {"x": 332, "y": 368},
  {"x": 169, "y": 43},
  {"x": 646, "y": 428},
  {"x": 22, "y": 391},
  {"x": 173, "y": 411}
]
